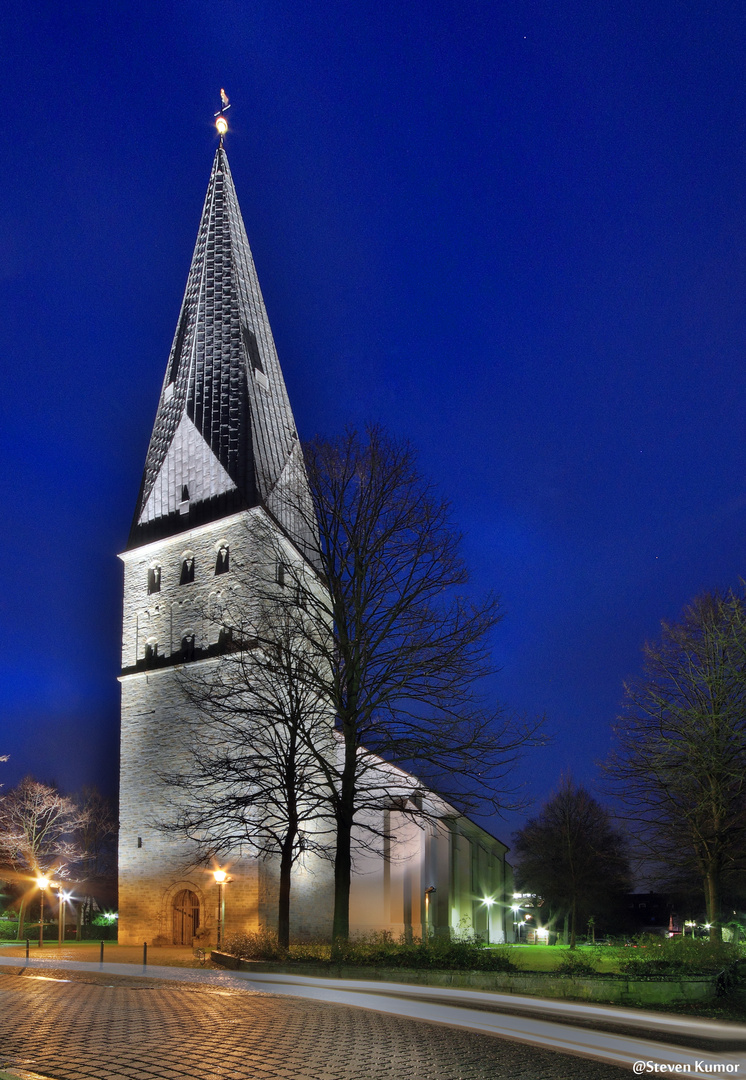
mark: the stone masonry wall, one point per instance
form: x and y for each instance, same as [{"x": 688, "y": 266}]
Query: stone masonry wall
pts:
[{"x": 154, "y": 866}]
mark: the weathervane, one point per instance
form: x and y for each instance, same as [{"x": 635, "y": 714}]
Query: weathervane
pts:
[{"x": 220, "y": 121}]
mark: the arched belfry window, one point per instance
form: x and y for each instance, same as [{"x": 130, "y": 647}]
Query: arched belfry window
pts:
[
  {"x": 222, "y": 563},
  {"x": 154, "y": 578},
  {"x": 187, "y": 568},
  {"x": 151, "y": 650},
  {"x": 187, "y": 646}
]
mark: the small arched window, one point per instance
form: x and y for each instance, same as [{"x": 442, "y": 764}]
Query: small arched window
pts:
[
  {"x": 154, "y": 579},
  {"x": 187, "y": 568},
  {"x": 222, "y": 563},
  {"x": 282, "y": 574},
  {"x": 187, "y": 647},
  {"x": 151, "y": 650}
]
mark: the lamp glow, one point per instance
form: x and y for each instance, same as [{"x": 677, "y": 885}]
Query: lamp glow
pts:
[
  {"x": 219, "y": 875},
  {"x": 221, "y": 124}
]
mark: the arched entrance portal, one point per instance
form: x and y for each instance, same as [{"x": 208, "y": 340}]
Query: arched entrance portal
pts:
[{"x": 186, "y": 917}]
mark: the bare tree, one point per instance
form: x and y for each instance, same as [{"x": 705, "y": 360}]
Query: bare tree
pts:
[
  {"x": 354, "y": 642},
  {"x": 679, "y": 766},
  {"x": 400, "y": 644},
  {"x": 95, "y": 838},
  {"x": 253, "y": 783},
  {"x": 571, "y": 854},
  {"x": 37, "y": 831}
]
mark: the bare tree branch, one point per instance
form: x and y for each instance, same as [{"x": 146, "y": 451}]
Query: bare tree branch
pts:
[
  {"x": 679, "y": 765},
  {"x": 571, "y": 854}
]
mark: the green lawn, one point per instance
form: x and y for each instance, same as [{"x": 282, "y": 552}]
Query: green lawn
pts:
[{"x": 547, "y": 957}]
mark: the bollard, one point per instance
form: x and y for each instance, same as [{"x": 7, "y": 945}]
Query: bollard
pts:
[
  {"x": 28, "y": 943},
  {"x": 102, "y": 953},
  {"x": 144, "y": 953}
]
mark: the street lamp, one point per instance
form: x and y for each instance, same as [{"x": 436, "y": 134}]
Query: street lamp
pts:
[
  {"x": 220, "y": 879},
  {"x": 428, "y": 893},
  {"x": 62, "y": 898},
  {"x": 488, "y": 902},
  {"x": 43, "y": 883}
]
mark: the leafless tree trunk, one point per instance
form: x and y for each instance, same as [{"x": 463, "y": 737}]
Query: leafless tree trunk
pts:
[
  {"x": 38, "y": 829},
  {"x": 400, "y": 644},
  {"x": 252, "y": 783},
  {"x": 679, "y": 766},
  {"x": 571, "y": 854},
  {"x": 96, "y": 841},
  {"x": 357, "y": 644}
]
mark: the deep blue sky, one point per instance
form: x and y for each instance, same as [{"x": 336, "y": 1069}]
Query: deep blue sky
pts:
[{"x": 513, "y": 233}]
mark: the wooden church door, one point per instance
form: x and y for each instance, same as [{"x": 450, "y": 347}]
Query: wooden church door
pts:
[{"x": 186, "y": 917}]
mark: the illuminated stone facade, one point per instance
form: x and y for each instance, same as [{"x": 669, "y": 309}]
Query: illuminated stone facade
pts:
[{"x": 222, "y": 462}]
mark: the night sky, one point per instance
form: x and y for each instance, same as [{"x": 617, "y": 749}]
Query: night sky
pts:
[{"x": 515, "y": 234}]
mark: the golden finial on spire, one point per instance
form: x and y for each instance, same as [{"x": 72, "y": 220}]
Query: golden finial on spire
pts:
[{"x": 220, "y": 121}]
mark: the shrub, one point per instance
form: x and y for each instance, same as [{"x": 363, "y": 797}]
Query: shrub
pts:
[
  {"x": 105, "y": 918},
  {"x": 575, "y": 965},
  {"x": 259, "y": 946},
  {"x": 98, "y": 933},
  {"x": 679, "y": 956},
  {"x": 378, "y": 950}
]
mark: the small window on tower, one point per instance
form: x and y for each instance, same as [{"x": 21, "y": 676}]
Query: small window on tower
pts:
[
  {"x": 282, "y": 574},
  {"x": 187, "y": 568},
  {"x": 151, "y": 651},
  {"x": 252, "y": 349},
  {"x": 184, "y": 503},
  {"x": 187, "y": 648},
  {"x": 222, "y": 563},
  {"x": 154, "y": 579}
]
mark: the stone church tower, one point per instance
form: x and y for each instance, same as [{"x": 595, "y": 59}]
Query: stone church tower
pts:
[
  {"x": 224, "y": 453},
  {"x": 224, "y": 488}
]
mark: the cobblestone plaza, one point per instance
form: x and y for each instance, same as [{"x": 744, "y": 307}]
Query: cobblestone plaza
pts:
[{"x": 125, "y": 1028}]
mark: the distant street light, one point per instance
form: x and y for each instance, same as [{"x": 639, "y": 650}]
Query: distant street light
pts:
[
  {"x": 428, "y": 893},
  {"x": 62, "y": 898},
  {"x": 42, "y": 883},
  {"x": 515, "y": 908},
  {"x": 488, "y": 902},
  {"x": 221, "y": 878}
]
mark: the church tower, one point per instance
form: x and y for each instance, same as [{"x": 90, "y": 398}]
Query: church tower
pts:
[{"x": 224, "y": 453}]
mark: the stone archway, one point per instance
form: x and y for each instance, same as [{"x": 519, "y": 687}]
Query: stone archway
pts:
[{"x": 186, "y": 917}]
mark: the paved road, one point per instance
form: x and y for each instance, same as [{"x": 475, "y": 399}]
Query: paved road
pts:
[{"x": 125, "y": 1028}]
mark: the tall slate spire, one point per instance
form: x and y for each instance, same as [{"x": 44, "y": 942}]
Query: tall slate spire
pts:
[{"x": 224, "y": 437}]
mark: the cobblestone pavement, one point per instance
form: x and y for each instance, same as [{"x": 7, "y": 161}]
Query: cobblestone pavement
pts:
[{"x": 123, "y": 1028}]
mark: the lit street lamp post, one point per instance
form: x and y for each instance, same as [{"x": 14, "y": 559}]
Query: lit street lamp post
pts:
[
  {"x": 221, "y": 878},
  {"x": 62, "y": 898},
  {"x": 516, "y": 924},
  {"x": 488, "y": 902},
  {"x": 43, "y": 883},
  {"x": 428, "y": 893}
]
